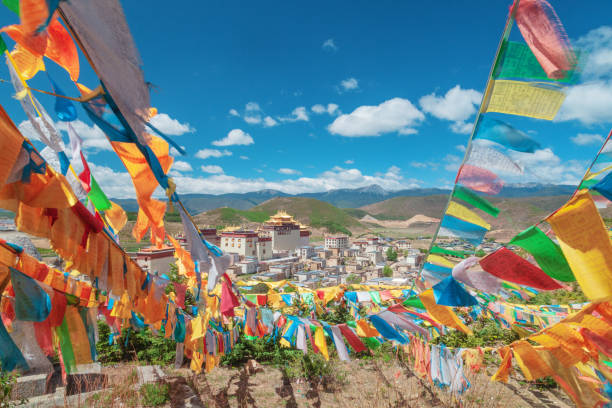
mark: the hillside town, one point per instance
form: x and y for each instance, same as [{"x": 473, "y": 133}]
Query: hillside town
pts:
[{"x": 281, "y": 249}]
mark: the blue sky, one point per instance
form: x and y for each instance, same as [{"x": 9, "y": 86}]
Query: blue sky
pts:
[{"x": 318, "y": 95}]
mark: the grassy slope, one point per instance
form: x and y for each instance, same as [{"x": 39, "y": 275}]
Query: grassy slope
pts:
[
  {"x": 515, "y": 213},
  {"x": 308, "y": 211}
]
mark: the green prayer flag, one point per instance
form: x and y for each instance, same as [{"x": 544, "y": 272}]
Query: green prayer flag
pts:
[
  {"x": 474, "y": 199},
  {"x": 12, "y": 5},
  {"x": 547, "y": 254},
  {"x": 375, "y": 297},
  {"x": 3, "y": 46},
  {"x": 63, "y": 334},
  {"x": 414, "y": 301},
  {"x": 351, "y": 323},
  {"x": 517, "y": 61},
  {"x": 97, "y": 196},
  {"x": 371, "y": 342},
  {"x": 443, "y": 251},
  {"x": 588, "y": 184}
]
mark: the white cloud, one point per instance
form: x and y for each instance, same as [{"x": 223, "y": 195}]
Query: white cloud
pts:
[
  {"x": 583, "y": 139},
  {"x": 244, "y": 158},
  {"x": 543, "y": 166},
  {"x": 588, "y": 103},
  {"x": 591, "y": 101},
  {"x": 252, "y": 120},
  {"x": 298, "y": 114},
  {"x": 418, "y": 165},
  {"x": 349, "y": 84},
  {"x": 170, "y": 126},
  {"x": 235, "y": 137},
  {"x": 393, "y": 115},
  {"x": 349, "y": 162},
  {"x": 252, "y": 107},
  {"x": 457, "y": 105},
  {"x": 329, "y": 45},
  {"x": 180, "y": 165},
  {"x": 288, "y": 171},
  {"x": 269, "y": 122},
  {"x": 462, "y": 128},
  {"x": 596, "y": 47},
  {"x": 93, "y": 138},
  {"x": 115, "y": 184},
  {"x": 206, "y": 153},
  {"x": 335, "y": 178},
  {"x": 319, "y": 109},
  {"x": 451, "y": 162},
  {"x": 461, "y": 148},
  {"x": 234, "y": 112},
  {"x": 212, "y": 169}
]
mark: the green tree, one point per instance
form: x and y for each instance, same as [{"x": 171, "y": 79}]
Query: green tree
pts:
[
  {"x": 353, "y": 279},
  {"x": 387, "y": 271},
  {"x": 391, "y": 255}
]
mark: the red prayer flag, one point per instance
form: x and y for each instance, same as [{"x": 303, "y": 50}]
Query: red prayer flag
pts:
[
  {"x": 180, "y": 291},
  {"x": 228, "y": 299},
  {"x": 479, "y": 179},
  {"x": 545, "y": 36},
  {"x": 510, "y": 267},
  {"x": 352, "y": 338}
]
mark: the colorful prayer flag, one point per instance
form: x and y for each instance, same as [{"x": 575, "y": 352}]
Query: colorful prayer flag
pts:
[{"x": 540, "y": 101}]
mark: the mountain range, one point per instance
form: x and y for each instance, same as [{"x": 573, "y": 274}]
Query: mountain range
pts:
[{"x": 343, "y": 198}]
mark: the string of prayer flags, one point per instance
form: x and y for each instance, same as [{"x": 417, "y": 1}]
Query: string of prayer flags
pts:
[
  {"x": 450, "y": 293},
  {"x": 508, "y": 266},
  {"x": 545, "y": 36},
  {"x": 479, "y": 179},
  {"x": 474, "y": 199},
  {"x": 585, "y": 243},
  {"x": 547, "y": 254},
  {"x": 442, "y": 314},
  {"x": 534, "y": 100}
]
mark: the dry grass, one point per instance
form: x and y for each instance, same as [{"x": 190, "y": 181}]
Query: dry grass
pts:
[{"x": 371, "y": 384}]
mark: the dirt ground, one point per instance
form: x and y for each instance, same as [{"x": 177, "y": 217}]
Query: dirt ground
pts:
[{"x": 360, "y": 384}]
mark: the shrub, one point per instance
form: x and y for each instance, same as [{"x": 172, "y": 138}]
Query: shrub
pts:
[
  {"x": 143, "y": 346},
  {"x": 265, "y": 351},
  {"x": 486, "y": 333},
  {"x": 155, "y": 395},
  {"x": 7, "y": 382}
]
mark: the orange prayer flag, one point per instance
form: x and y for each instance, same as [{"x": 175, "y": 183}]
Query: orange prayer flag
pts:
[
  {"x": 116, "y": 217},
  {"x": 505, "y": 367},
  {"x": 62, "y": 50},
  {"x": 529, "y": 360}
]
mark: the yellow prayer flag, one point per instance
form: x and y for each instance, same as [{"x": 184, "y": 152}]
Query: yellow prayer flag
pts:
[
  {"x": 463, "y": 213},
  {"x": 586, "y": 245},
  {"x": 534, "y": 100},
  {"x": 440, "y": 260},
  {"x": 320, "y": 342},
  {"x": 442, "y": 314}
]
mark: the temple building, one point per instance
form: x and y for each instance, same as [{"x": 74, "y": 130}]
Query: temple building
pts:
[
  {"x": 238, "y": 241},
  {"x": 284, "y": 231},
  {"x": 304, "y": 235},
  {"x": 338, "y": 241}
]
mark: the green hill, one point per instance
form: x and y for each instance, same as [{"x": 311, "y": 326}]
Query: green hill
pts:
[{"x": 308, "y": 211}]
